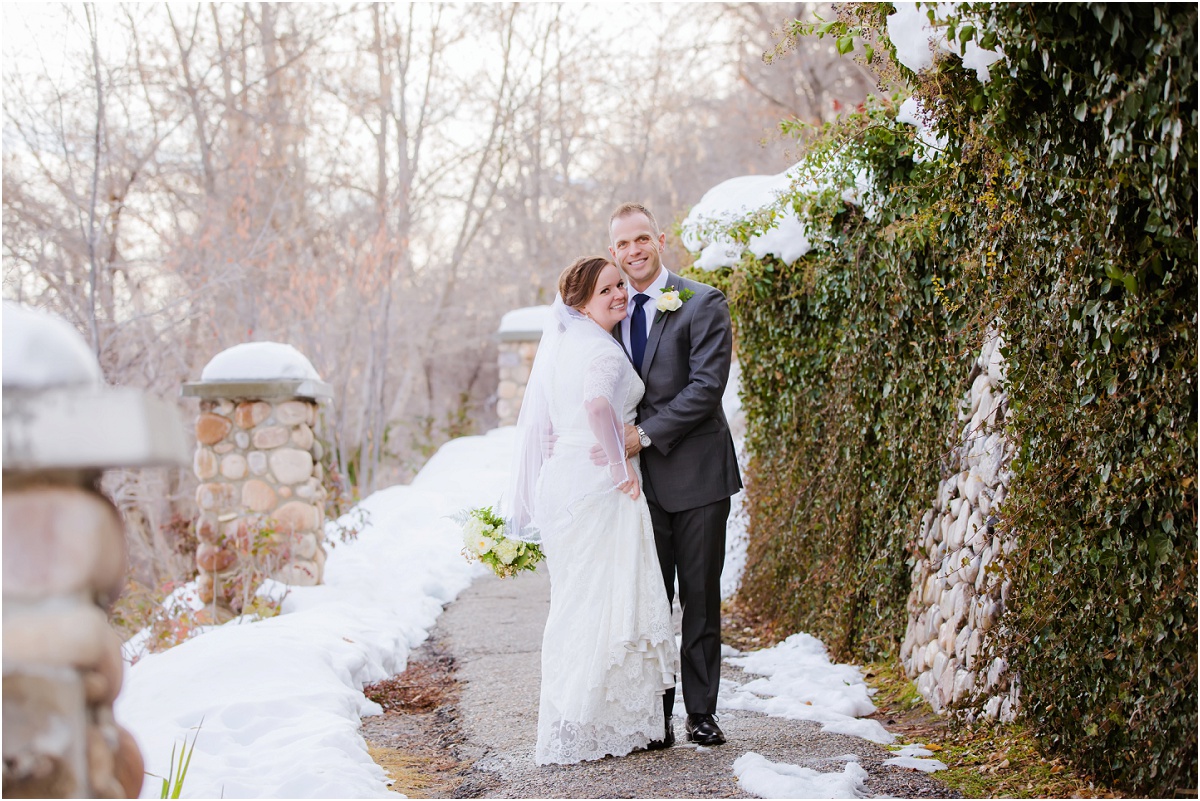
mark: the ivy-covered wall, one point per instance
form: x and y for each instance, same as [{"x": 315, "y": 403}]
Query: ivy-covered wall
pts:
[{"x": 1063, "y": 210}]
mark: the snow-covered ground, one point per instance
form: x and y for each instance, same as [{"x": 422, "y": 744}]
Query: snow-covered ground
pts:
[{"x": 281, "y": 699}]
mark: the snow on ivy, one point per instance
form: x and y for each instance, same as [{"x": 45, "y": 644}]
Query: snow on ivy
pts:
[
  {"x": 788, "y": 238},
  {"x": 917, "y": 38}
]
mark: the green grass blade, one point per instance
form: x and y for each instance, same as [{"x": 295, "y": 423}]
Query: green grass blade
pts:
[{"x": 185, "y": 765}]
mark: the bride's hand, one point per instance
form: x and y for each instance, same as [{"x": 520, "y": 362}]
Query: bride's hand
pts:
[{"x": 632, "y": 487}]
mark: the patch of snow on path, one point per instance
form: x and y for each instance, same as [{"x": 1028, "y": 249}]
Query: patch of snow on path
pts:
[
  {"x": 799, "y": 682},
  {"x": 760, "y": 776},
  {"x": 923, "y": 765}
]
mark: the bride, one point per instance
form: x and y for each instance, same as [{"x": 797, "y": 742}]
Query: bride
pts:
[{"x": 608, "y": 653}]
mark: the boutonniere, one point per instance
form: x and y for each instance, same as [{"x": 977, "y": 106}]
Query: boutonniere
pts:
[{"x": 671, "y": 299}]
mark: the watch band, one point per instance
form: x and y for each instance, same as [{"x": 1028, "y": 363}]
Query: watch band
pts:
[{"x": 645, "y": 440}]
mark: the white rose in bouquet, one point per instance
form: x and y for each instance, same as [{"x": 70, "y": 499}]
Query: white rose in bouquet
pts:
[
  {"x": 507, "y": 550},
  {"x": 475, "y": 537}
]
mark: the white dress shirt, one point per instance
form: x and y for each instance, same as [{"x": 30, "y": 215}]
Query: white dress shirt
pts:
[{"x": 656, "y": 288}]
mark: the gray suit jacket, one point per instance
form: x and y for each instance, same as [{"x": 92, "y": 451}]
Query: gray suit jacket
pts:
[{"x": 691, "y": 460}]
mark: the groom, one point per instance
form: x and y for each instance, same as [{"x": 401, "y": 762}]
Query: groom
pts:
[{"x": 680, "y": 340}]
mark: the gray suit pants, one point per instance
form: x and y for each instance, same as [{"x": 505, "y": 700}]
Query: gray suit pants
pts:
[{"x": 691, "y": 543}]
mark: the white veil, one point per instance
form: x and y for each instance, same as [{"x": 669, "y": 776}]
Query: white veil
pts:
[{"x": 578, "y": 384}]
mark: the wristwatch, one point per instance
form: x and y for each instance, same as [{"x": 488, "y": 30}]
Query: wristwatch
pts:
[{"x": 642, "y": 438}]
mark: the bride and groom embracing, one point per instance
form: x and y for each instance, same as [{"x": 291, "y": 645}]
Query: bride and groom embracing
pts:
[{"x": 623, "y": 472}]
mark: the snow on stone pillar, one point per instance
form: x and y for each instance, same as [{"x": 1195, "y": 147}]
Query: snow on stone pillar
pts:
[
  {"x": 261, "y": 499},
  {"x": 65, "y": 560},
  {"x": 958, "y": 594},
  {"x": 520, "y": 332}
]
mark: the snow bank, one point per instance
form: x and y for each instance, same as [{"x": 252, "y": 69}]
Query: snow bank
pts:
[
  {"x": 801, "y": 683},
  {"x": 43, "y": 350},
  {"x": 760, "y": 776},
  {"x": 281, "y": 699},
  {"x": 259, "y": 361}
]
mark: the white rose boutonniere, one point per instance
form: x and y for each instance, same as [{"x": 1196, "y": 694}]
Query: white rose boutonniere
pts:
[{"x": 671, "y": 299}]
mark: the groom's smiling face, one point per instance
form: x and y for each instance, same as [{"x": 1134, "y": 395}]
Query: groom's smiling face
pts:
[{"x": 637, "y": 247}]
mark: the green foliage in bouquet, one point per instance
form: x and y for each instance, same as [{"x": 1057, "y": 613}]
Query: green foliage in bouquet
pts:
[
  {"x": 1062, "y": 209},
  {"x": 484, "y": 541}
]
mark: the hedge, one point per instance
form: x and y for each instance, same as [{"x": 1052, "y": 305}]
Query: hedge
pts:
[{"x": 1063, "y": 211}]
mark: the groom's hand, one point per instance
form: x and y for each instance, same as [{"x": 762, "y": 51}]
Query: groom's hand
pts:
[{"x": 633, "y": 443}]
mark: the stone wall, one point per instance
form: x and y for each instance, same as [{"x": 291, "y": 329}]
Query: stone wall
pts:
[
  {"x": 261, "y": 498},
  {"x": 958, "y": 594},
  {"x": 515, "y": 361}
]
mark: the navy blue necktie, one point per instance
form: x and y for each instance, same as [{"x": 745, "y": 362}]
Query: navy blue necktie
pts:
[{"x": 637, "y": 330}]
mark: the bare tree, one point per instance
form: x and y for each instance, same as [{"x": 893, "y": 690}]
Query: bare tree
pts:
[{"x": 374, "y": 183}]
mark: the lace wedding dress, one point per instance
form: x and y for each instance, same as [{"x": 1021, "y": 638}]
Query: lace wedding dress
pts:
[{"x": 609, "y": 649}]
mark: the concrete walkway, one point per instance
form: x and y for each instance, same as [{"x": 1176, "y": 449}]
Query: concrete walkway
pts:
[{"x": 494, "y": 632}]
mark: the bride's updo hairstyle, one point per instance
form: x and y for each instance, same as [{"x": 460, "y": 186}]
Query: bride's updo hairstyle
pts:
[{"x": 578, "y": 281}]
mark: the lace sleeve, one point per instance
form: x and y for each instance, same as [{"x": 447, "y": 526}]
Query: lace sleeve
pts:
[
  {"x": 602, "y": 383},
  {"x": 602, "y": 377},
  {"x": 579, "y": 372}
]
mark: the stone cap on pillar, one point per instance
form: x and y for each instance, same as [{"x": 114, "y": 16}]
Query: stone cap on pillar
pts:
[
  {"x": 60, "y": 415},
  {"x": 524, "y": 325},
  {"x": 259, "y": 371}
]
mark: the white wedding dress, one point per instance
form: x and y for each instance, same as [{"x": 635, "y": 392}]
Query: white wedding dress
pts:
[{"x": 609, "y": 649}]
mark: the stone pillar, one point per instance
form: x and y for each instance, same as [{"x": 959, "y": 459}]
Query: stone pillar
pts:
[
  {"x": 261, "y": 499},
  {"x": 65, "y": 561},
  {"x": 520, "y": 332},
  {"x": 958, "y": 592}
]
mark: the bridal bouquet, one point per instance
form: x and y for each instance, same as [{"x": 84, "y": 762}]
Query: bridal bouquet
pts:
[{"x": 484, "y": 541}]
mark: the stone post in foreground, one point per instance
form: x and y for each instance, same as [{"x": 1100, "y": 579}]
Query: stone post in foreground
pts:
[
  {"x": 65, "y": 560},
  {"x": 261, "y": 499}
]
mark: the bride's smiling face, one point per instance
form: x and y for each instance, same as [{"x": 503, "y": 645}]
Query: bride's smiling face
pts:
[{"x": 607, "y": 304}]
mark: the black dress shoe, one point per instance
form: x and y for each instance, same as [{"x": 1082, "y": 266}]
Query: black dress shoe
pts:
[
  {"x": 666, "y": 742},
  {"x": 703, "y": 730}
]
